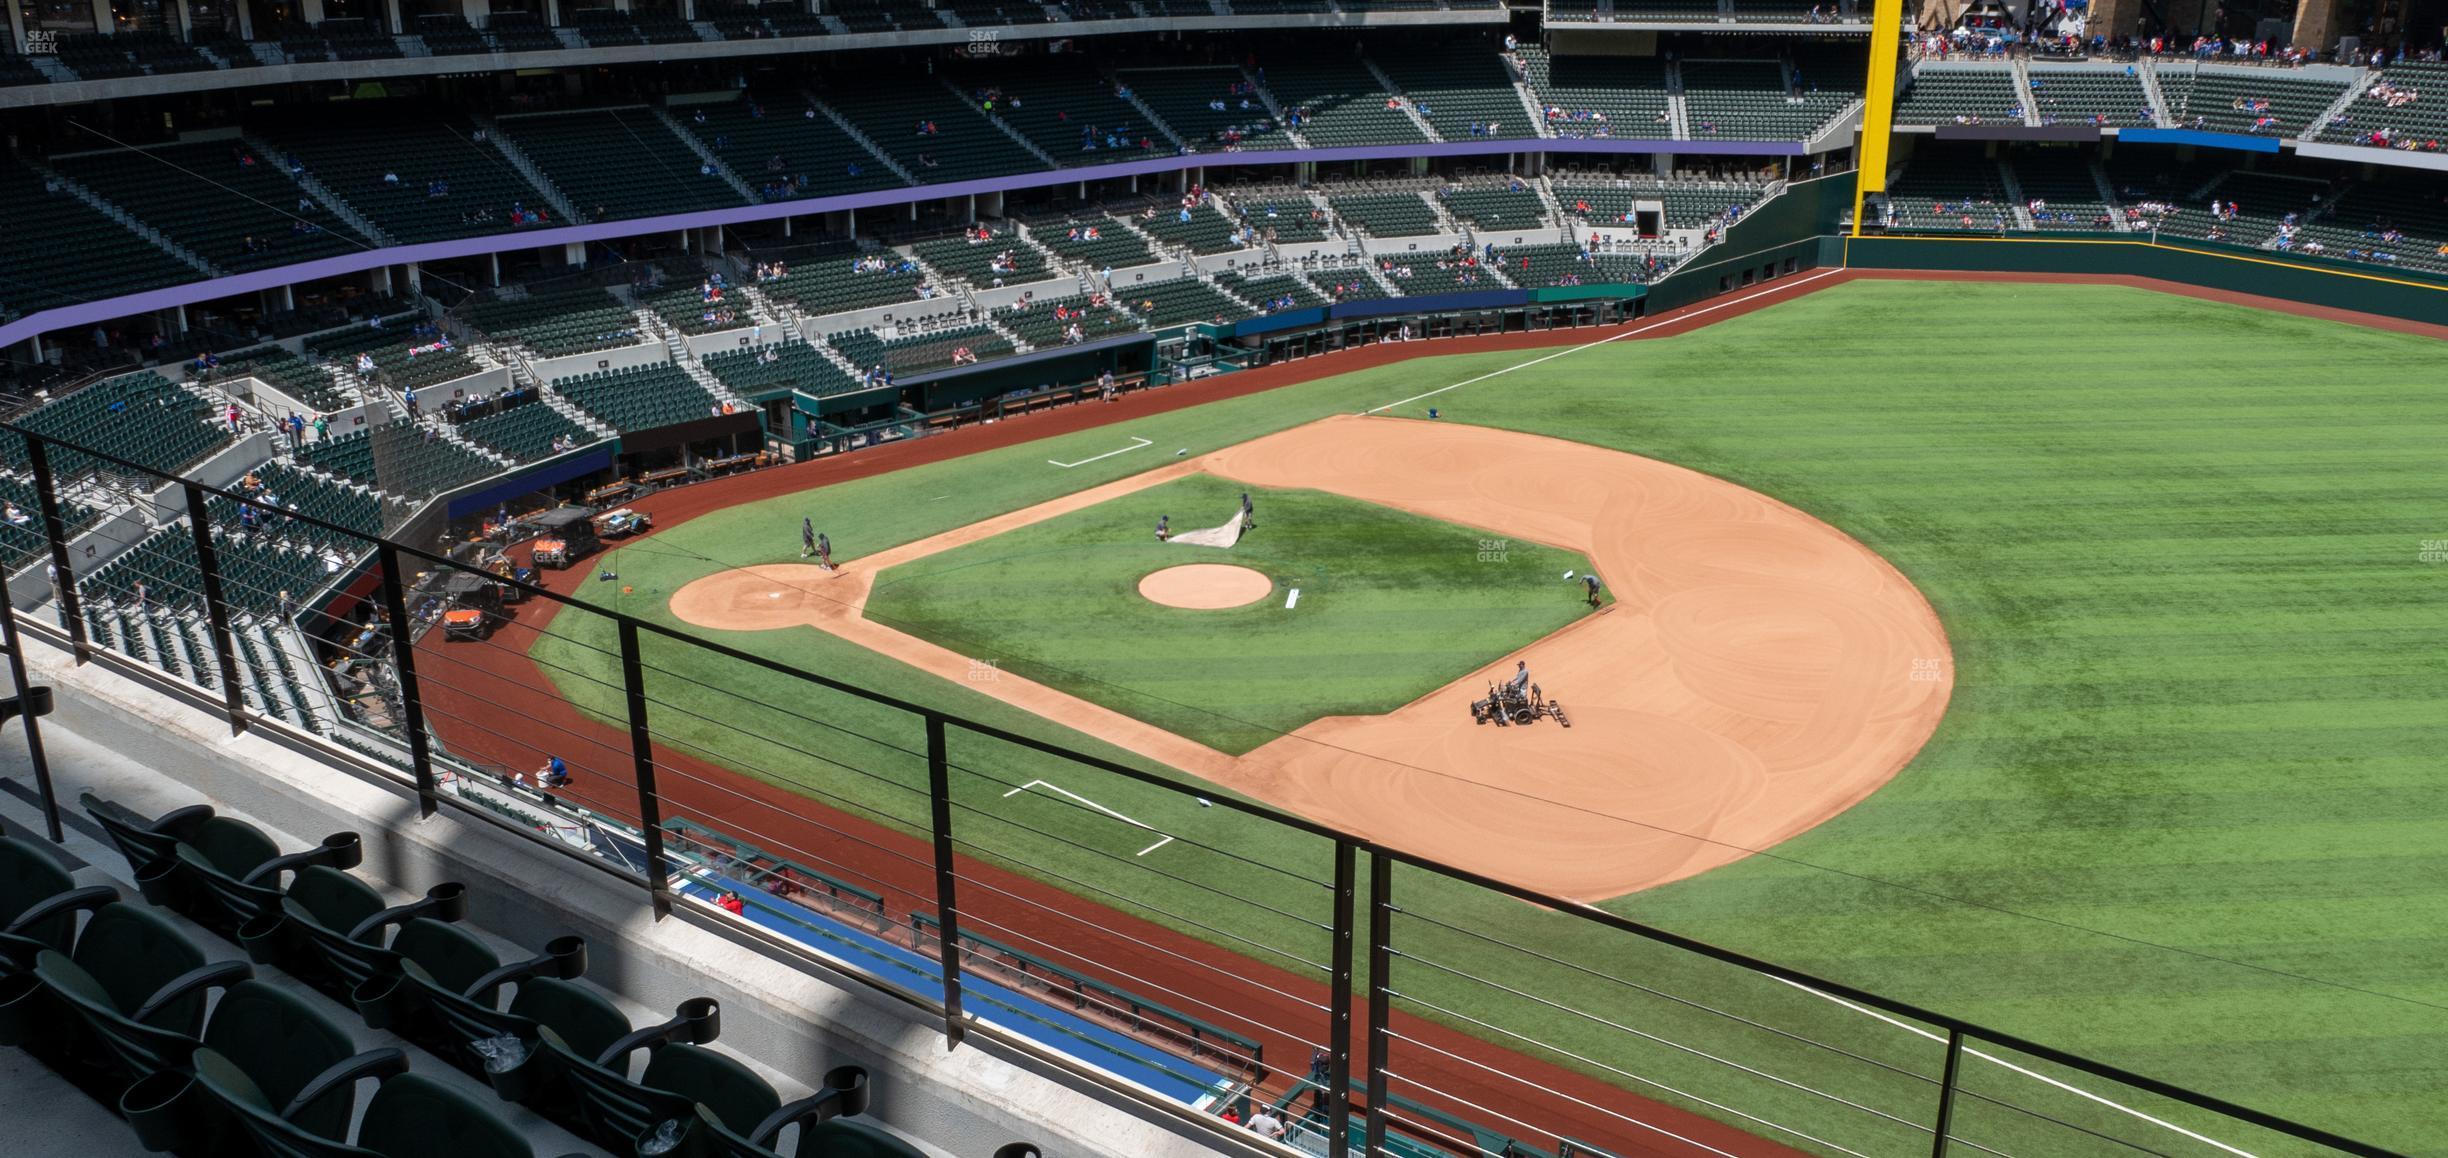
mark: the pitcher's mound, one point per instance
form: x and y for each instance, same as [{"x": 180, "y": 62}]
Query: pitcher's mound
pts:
[{"x": 1206, "y": 586}]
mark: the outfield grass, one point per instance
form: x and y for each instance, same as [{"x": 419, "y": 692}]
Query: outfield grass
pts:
[
  {"x": 1392, "y": 606},
  {"x": 2184, "y": 815}
]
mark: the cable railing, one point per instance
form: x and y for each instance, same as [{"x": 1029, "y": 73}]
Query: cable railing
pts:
[{"x": 1164, "y": 936}]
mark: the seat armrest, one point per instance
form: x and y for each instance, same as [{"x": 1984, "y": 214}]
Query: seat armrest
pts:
[
  {"x": 387, "y": 1062},
  {"x": 86, "y": 899},
  {"x": 210, "y": 975}
]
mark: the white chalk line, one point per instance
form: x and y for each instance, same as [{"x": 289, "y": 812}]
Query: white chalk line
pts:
[
  {"x": 2034, "y": 1075},
  {"x": 1136, "y": 443},
  {"x": 1668, "y": 320},
  {"x": 1099, "y": 807}
]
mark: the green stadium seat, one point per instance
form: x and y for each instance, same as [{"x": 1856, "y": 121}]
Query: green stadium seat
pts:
[
  {"x": 216, "y": 870},
  {"x": 1387, "y": 214},
  {"x": 1460, "y": 85},
  {"x": 134, "y": 990},
  {"x": 408, "y": 1116},
  {"x": 39, "y": 903}
]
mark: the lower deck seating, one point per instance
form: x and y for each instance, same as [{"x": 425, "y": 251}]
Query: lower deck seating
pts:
[
  {"x": 1569, "y": 264},
  {"x": 1054, "y": 323},
  {"x": 640, "y": 398},
  {"x": 1387, "y": 214},
  {"x": 1951, "y": 190},
  {"x": 999, "y": 258},
  {"x": 1436, "y": 274},
  {"x": 1285, "y": 219},
  {"x": 22, "y": 538},
  {"x": 2062, "y": 197},
  {"x": 1514, "y": 206},
  {"x": 917, "y": 353},
  {"x": 143, "y": 418},
  {"x": 2391, "y": 219},
  {"x": 793, "y": 366},
  {"x": 1094, "y": 239},
  {"x": 1176, "y": 303},
  {"x": 406, "y": 458},
  {"x": 403, "y": 359},
  {"x": 291, "y": 375},
  {"x": 835, "y": 286},
  {"x": 1272, "y": 292},
  {"x": 555, "y": 324},
  {"x": 526, "y": 433},
  {"x": 1200, "y": 229}
]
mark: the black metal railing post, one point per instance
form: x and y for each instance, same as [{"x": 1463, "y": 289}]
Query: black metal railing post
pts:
[
  {"x": 1946, "y": 1094},
  {"x": 216, "y": 607},
  {"x": 63, "y": 575},
  {"x": 641, "y": 749},
  {"x": 947, "y": 904},
  {"x": 30, "y": 704},
  {"x": 1381, "y": 994},
  {"x": 1339, "y": 1032},
  {"x": 403, "y": 665}
]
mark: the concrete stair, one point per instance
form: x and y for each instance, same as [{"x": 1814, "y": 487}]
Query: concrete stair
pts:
[
  {"x": 706, "y": 156},
  {"x": 1409, "y": 108},
  {"x": 2018, "y": 204},
  {"x": 997, "y": 122},
  {"x": 1531, "y": 107},
  {"x": 123, "y": 217},
  {"x": 322, "y": 193},
  {"x": 526, "y": 166},
  {"x": 874, "y": 153},
  {"x": 1134, "y": 102},
  {"x": 1272, "y": 106}
]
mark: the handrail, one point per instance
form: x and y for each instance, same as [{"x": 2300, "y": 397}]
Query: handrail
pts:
[
  {"x": 1200, "y": 1030},
  {"x": 940, "y": 722}
]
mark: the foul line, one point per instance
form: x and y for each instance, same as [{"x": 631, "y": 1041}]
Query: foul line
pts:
[
  {"x": 1136, "y": 443},
  {"x": 1668, "y": 320},
  {"x": 1099, "y": 807},
  {"x": 2035, "y": 1075}
]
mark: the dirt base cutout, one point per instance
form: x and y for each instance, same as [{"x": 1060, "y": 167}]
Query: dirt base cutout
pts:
[
  {"x": 1206, "y": 586},
  {"x": 1759, "y": 673}
]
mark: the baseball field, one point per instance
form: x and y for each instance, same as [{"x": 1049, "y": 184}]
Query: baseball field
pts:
[{"x": 2062, "y": 657}]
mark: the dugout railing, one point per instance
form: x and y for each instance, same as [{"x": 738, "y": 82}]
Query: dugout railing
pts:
[{"x": 1437, "y": 995}]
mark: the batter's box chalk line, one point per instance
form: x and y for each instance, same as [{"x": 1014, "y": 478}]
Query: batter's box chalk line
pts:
[
  {"x": 1136, "y": 443},
  {"x": 1051, "y": 787}
]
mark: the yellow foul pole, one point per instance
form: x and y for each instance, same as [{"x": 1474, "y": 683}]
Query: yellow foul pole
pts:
[{"x": 1878, "y": 105}]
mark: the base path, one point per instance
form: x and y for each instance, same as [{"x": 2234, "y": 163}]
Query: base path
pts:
[
  {"x": 1206, "y": 586},
  {"x": 1759, "y": 672}
]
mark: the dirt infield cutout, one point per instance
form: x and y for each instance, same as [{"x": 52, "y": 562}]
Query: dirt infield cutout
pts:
[{"x": 1760, "y": 672}]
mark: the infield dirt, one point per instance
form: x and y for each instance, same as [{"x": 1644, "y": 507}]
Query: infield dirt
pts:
[{"x": 1759, "y": 672}]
